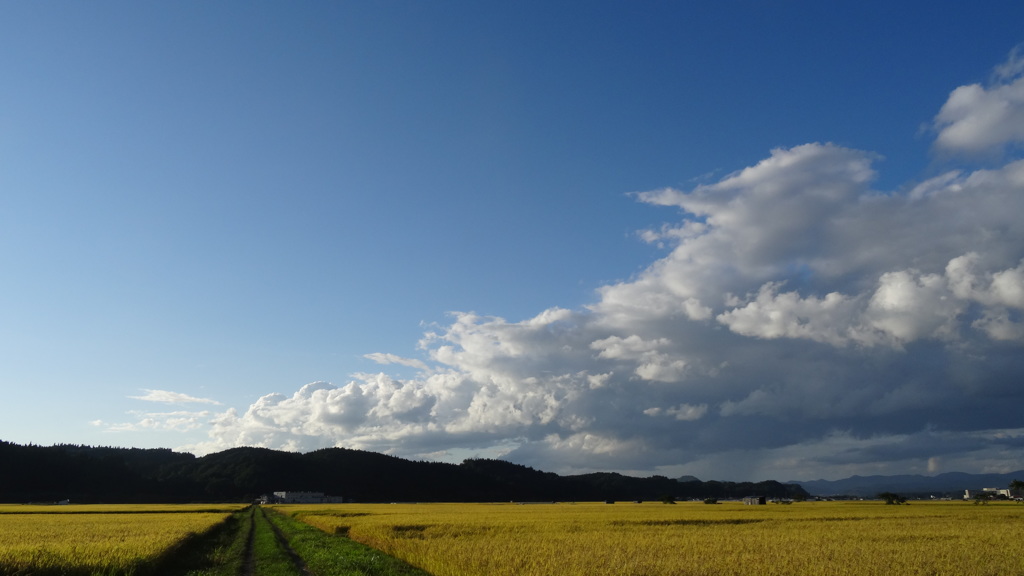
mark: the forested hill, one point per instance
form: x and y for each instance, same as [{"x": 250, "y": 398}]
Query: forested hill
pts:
[{"x": 91, "y": 474}]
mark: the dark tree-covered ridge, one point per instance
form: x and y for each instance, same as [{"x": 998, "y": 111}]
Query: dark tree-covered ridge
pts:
[{"x": 101, "y": 474}]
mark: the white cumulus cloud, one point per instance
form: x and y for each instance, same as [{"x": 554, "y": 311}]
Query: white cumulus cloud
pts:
[
  {"x": 798, "y": 320},
  {"x": 978, "y": 119}
]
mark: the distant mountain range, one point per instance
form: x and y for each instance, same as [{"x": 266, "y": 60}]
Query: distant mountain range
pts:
[
  {"x": 98, "y": 474},
  {"x": 948, "y": 484}
]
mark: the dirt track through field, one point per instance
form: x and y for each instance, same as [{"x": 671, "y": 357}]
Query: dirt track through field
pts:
[
  {"x": 249, "y": 567},
  {"x": 300, "y": 565}
]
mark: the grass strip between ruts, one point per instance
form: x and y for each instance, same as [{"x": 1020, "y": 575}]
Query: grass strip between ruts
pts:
[
  {"x": 270, "y": 554},
  {"x": 331, "y": 555}
]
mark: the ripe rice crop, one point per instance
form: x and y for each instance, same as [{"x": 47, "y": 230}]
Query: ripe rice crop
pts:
[
  {"x": 98, "y": 542},
  {"x": 115, "y": 508},
  {"x": 654, "y": 539}
]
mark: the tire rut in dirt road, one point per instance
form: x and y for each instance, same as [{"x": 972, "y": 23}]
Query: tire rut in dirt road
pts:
[{"x": 249, "y": 565}]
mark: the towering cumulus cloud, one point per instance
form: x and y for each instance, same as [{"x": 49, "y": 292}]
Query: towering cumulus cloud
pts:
[{"x": 801, "y": 322}]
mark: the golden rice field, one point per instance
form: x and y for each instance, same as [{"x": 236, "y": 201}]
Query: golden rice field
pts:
[
  {"x": 107, "y": 539},
  {"x": 654, "y": 539},
  {"x": 115, "y": 508}
]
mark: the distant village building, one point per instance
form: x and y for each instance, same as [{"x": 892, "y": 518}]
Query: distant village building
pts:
[
  {"x": 755, "y": 500},
  {"x": 286, "y": 497},
  {"x": 990, "y": 492}
]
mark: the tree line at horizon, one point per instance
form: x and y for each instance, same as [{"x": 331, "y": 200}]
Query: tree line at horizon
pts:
[{"x": 87, "y": 474}]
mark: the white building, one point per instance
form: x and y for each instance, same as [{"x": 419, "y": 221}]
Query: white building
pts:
[
  {"x": 287, "y": 497},
  {"x": 992, "y": 493}
]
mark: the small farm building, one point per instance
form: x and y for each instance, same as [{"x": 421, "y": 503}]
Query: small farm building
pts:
[
  {"x": 754, "y": 500},
  {"x": 286, "y": 497},
  {"x": 992, "y": 492}
]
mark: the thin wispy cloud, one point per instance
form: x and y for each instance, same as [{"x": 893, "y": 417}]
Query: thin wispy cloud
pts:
[
  {"x": 169, "y": 397},
  {"x": 385, "y": 359},
  {"x": 176, "y": 421}
]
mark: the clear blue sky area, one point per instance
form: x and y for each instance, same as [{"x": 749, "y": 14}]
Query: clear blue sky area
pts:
[{"x": 576, "y": 235}]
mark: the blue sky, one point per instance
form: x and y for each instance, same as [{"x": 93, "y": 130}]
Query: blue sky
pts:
[{"x": 742, "y": 240}]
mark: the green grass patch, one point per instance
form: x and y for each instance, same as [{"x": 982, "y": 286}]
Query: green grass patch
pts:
[
  {"x": 329, "y": 555},
  {"x": 271, "y": 555}
]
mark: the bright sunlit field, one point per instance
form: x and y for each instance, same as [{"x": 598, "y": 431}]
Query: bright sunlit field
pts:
[
  {"x": 102, "y": 539},
  {"x": 654, "y": 539},
  {"x": 115, "y": 508}
]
